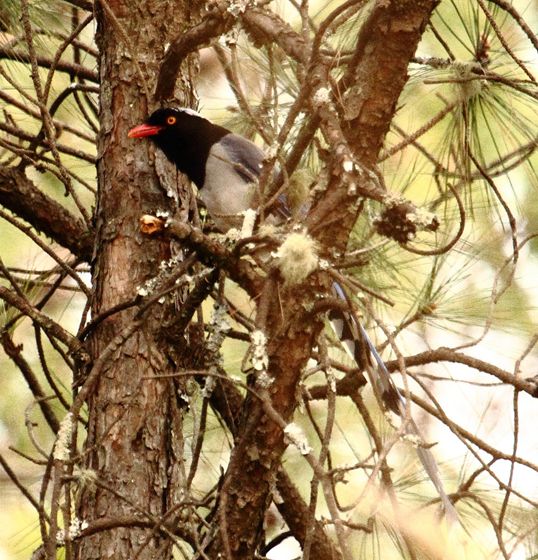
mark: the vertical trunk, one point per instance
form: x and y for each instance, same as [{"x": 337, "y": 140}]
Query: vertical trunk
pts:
[
  {"x": 252, "y": 472},
  {"x": 133, "y": 416}
]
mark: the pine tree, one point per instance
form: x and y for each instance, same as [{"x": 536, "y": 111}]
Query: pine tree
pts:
[{"x": 177, "y": 390}]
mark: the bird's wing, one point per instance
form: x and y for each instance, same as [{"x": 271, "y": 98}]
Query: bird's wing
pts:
[
  {"x": 247, "y": 160},
  {"x": 244, "y": 155}
]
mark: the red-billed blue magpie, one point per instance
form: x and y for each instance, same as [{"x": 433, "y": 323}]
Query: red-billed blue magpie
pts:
[{"x": 225, "y": 167}]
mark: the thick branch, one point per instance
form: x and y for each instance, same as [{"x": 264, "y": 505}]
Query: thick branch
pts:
[
  {"x": 262, "y": 25},
  {"x": 449, "y": 355},
  {"x": 378, "y": 71},
  {"x": 352, "y": 383},
  {"x": 376, "y": 75},
  {"x": 217, "y": 21},
  {"x": 213, "y": 253},
  {"x": 227, "y": 401},
  {"x": 397, "y": 30},
  {"x": 83, "y": 4},
  {"x": 19, "y": 195},
  {"x": 294, "y": 510}
]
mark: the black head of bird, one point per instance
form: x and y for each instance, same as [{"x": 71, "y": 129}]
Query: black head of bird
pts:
[{"x": 184, "y": 136}]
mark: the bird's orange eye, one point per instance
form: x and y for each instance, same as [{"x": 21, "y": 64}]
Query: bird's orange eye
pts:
[{"x": 171, "y": 120}]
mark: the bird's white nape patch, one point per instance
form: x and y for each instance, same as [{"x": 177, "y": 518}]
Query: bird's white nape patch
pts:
[{"x": 190, "y": 111}]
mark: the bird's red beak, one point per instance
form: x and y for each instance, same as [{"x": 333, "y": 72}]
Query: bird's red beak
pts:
[{"x": 143, "y": 130}]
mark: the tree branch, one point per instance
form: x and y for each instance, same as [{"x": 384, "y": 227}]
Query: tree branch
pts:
[
  {"x": 262, "y": 26},
  {"x": 290, "y": 338},
  {"x": 75, "y": 70},
  {"x": 19, "y": 195},
  {"x": 449, "y": 355},
  {"x": 15, "y": 353},
  {"x": 351, "y": 383},
  {"x": 210, "y": 251},
  {"x": 217, "y": 21},
  {"x": 52, "y": 328}
]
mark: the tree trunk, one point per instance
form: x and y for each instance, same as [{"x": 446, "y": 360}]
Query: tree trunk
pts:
[{"x": 134, "y": 419}]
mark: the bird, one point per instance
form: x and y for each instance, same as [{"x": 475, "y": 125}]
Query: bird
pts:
[{"x": 225, "y": 167}]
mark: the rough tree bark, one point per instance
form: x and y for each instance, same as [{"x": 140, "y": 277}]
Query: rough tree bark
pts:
[{"x": 132, "y": 415}]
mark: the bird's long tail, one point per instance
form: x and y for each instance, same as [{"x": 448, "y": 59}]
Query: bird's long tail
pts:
[{"x": 360, "y": 348}]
